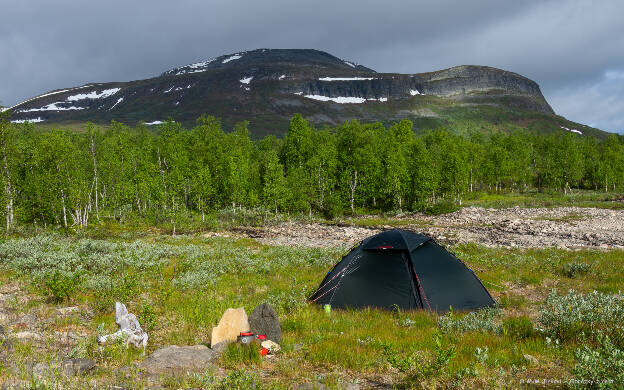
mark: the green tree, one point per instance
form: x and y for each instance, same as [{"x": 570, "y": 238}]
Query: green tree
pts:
[
  {"x": 274, "y": 188},
  {"x": 611, "y": 166}
]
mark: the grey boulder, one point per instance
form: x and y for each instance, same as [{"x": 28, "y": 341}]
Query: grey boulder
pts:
[
  {"x": 77, "y": 366},
  {"x": 263, "y": 320},
  {"x": 174, "y": 360}
]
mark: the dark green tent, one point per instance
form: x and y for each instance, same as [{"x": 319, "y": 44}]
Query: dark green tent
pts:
[{"x": 404, "y": 269}]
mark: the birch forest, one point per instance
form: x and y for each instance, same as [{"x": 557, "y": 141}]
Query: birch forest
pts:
[{"x": 70, "y": 179}]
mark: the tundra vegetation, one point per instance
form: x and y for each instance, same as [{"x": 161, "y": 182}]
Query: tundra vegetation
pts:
[
  {"x": 86, "y": 215},
  {"x": 552, "y": 326}
]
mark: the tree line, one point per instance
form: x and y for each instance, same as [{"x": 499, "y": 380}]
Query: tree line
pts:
[{"x": 70, "y": 178}]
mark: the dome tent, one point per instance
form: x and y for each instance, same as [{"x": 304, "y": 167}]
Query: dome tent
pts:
[{"x": 404, "y": 269}]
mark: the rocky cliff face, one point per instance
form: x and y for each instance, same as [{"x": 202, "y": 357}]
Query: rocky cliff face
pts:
[{"x": 267, "y": 86}]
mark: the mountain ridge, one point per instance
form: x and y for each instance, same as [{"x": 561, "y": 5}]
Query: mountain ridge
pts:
[{"x": 267, "y": 86}]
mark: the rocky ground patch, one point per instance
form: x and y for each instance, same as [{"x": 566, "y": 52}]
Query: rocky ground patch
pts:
[{"x": 563, "y": 227}]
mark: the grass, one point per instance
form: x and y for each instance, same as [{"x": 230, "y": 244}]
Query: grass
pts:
[
  {"x": 577, "y": 198},
  {"x": 180, "y": 286}
]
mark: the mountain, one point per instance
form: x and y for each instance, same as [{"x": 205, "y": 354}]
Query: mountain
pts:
[{"x": 267, "y": 86}]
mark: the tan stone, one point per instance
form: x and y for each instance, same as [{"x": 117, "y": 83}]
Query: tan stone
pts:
[{"x": 233, "y": 322}]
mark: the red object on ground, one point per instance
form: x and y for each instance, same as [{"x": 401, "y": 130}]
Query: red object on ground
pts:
[
  {"x": 246, "y": 334},
  {"x": 385, "y": 247},
  {"x": 264, "y": 351},
  {"x": 261, "y": 337}
]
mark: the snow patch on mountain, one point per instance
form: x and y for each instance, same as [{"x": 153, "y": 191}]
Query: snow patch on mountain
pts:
[
  {"x": 351, "y": 64},
  {"x": 200, "y": 65},
  {"x": 342, "y": 99},
  {"x": 94, "y": 95},
  {"x": 232, "y": 58},
  {"x": 282, "y": 77},
  {"x": 346, "y": 78},
  {"x": 50, "y": 94},
  {"x": 415, "y": 92},
  {"x": 53, "y": 107},
  {"x": 196, "y": 67},
  {"x": 115, "y": 105},
  {"x": 572, "y": 130},
  {"x": 34, "y": 120},
  {"x": 246, "y": 80}
]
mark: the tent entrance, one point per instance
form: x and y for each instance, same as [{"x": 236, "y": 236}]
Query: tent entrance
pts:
[{"x": 377, "y": 278}]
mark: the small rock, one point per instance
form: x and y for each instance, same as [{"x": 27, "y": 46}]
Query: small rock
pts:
[
  {"x": 231, "y": 324},
  {"x": 26, "y": 321},
  {"x": 77, "y": 366},
  {"x": 530, "y": 358},
  {"x": 263, "y": 320},
  {"x": 271, "y": 346},
  {"x": 220, "y": 347},
  {"x": 41, "y": 369},
  {"x": 175, "y": 360},
  {"x": 27, "y": 336},
  {"x": 63, "y": 311}
]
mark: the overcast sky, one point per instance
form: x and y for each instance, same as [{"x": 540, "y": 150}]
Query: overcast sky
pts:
[{"x": 573, "y": 49}]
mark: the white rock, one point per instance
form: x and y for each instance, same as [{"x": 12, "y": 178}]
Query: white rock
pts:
[
  {"x": 129, "y": 328},
  {"x": 271, "y": 346}
]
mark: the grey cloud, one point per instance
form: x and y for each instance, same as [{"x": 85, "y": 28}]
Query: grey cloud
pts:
[{"x": 566, "y": 46}]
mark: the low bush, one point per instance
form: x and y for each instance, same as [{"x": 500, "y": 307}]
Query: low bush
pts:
[
  {"x": 480, "y": 320},
  {"x": 574, "y": 269},
  {"x": 566, "y": 317},
  {"x": 601, "y": 367},
  {"x": 418, "y": 367},
  {"x": 60, "y": 285},
  {"x": 147, "y": 316},
  {"x": 445, "y": 207}
]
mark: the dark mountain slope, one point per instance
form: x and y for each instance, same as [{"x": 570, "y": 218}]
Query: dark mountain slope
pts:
[{"x": 267, "y": 86}]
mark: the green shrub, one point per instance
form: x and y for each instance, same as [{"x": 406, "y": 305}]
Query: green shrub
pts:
[
  {"x": 572, "y": 270},
  {"x": 417, "y": 368},
  {"x": 601, "y": 368},
  {"x": 147, "y": 317},
  {"x": 569, "y": 316},
  {"x": 444, "y": 207},
  {"x": 518, "y": 327},
  {"x": 480, "y": 320},
  {"x": 60, "y": 285}
]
